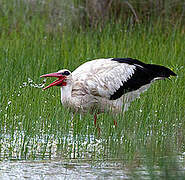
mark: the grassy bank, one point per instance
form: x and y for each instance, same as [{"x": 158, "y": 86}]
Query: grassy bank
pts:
[{"x": 34, "y": 125}]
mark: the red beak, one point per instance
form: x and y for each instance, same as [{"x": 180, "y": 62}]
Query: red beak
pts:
[{"x": 58, "y": 82}]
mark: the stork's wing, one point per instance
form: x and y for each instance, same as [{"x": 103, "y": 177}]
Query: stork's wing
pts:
[{"x": 113, "y": 77}]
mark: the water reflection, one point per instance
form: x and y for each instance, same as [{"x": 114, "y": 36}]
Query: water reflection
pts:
[
  {"x": 60, "y": 170},
  {"x": 21, "y": 145},
  {"x": 81, "y": 169},
  {"x": 75, "y": 156}
]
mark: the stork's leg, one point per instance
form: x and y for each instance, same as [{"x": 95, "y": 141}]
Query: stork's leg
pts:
[
  {"x": 95, "y": 119},
  {"x": 115, "y": 119},
  {"x": 115, "y": 123},
  {"x": 95, "y": 124}
]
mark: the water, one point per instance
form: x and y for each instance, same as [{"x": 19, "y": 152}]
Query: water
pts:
[
  {"x": 70, "y": 156},
  {"x": 31, "y": 83},
  {"x": 79, "y": 169},
  {"x": 60, "y": 170},
  {"x": 56, "y": 161}
]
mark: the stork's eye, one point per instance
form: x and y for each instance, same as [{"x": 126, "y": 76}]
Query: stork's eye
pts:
[{"x": 66, "y": 73}]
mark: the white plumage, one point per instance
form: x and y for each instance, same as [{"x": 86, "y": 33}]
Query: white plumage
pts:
[{"x": 106, "y": 84}]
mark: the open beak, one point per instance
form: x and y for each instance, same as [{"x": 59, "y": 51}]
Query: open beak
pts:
[{"x": 58, "y": 82}]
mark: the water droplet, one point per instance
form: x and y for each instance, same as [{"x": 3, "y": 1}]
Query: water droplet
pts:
[
  {"x": 24, "y": 84},
  {"x": 30, "y": 80},
  {"x": 9, "y": 102},
  {"x": 160, "y": 121}
]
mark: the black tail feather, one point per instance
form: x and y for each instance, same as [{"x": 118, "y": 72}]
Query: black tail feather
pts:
[
  {"x": 143, "y": 74},
  {"x": 160, "y": 71},
  {"x": 153, "y": 69}
]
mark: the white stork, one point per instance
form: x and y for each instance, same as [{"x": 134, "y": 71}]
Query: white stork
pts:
[{"x": 106, "y": 84}]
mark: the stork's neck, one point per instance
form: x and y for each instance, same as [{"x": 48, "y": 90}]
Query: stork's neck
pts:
[{"x": 66, "y": 93}]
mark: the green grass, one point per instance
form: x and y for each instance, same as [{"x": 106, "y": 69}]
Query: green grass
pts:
[{"x": 34, "y": 125}]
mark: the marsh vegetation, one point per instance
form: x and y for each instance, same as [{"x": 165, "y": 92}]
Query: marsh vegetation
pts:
[{"x": 37, "y": 135}]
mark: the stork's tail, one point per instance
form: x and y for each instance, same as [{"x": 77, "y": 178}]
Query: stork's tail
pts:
[
  {"x": 160, "y": 71},
  {"x": 152, "y": 69}
]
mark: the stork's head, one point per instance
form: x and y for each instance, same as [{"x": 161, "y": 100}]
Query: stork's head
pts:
[{"x": 64, "y": 77}]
